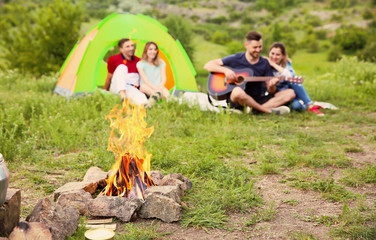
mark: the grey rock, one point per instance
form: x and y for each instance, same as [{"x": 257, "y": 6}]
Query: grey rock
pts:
[
  {"x": 156, "y": 177},
  {"x": 73, "y": 186},
  {"x": 78, "y": 199},
  {"x": 187, "y": 183},
  {"x": 61, "y": 221},
  {"x": 10, "y": 211},
  {"x": 167, "y": 181},
  {"x": 120, "y": 207},
  {"x": 96, "y": 175},
  {"x": 173, "y": 192},
  {"x": 161, "y": 207}
]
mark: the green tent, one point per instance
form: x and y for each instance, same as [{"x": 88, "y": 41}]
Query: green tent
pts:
[{"x": 85, "y": 68}]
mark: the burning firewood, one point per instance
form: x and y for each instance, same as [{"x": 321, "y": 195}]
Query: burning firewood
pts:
[{"x": 129, "y": 175}]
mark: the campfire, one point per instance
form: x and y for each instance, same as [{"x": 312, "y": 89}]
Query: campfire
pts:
[
  {"x": 128, "y": 190},
  {"x": 129, "y": 175}
]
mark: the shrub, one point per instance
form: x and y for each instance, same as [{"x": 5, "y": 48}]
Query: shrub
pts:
[
  {"x": 98, "y": 8},
  {"x": 310, "y": 43},
  {"x": 235, "y": 15},
  {"x": 203, "y": 31},
  {"x": 342, "y": 3},
  {"x": 44, "y": 38},
  {"x": 372, "y": 24},
  {"x": 275, "y": 5},
  {"x": 248, "y": 20},
  {"x": 368, "y": 53},
  {"x": 195, "y": 18},
  {"x": 235, "y": 47},
  {"x": 281, "y": 33},
  {"x": 131, "y": 6},
  {"x": 336, "y": 18},
  {"x": 220, "y": 37},
  {"x": 334, "y": 53},
  {"x": 367, "y": 14},
  {"x": 352, "y": 71},
  {"x": 321, "y": 34},
  {"x": 350, "y": 38},
  {"x": 182, "y": 30},
  {"x": 217, "y": 20},
  {"x": 313, "y": 20}
]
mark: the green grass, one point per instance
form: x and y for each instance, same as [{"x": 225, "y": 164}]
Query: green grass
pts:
[
  {"x": 143, "y": 231},
  {"x": 292, "y": 202},
  {"x": 326, "y": 186},
  {"x": 356, "y": 223},
  {"x": 265, "y": 214},
  {"x": 48, "y": 141},
  {"x": 299, "y": 235},
  {"x": 358, "y": 177}
]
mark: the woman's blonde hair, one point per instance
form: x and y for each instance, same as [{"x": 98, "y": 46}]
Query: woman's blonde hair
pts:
[
  {"x": 281, "y": 46},
  {"x": 156, "y": 61}
]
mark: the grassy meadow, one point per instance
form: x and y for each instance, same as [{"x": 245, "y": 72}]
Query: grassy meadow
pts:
[{"x": 48, "y": 141}]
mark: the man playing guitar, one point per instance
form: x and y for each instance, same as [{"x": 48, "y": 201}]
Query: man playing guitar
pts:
[{"x": 261, "y": 96}]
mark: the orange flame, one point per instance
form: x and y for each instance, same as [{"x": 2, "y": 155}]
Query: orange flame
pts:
[{"x": 129, "y": 131}]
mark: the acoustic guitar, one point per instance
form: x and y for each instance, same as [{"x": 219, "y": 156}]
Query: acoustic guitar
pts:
[{"x": 219, "y": 87}]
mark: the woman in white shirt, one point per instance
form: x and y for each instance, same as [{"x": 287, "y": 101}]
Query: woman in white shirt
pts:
[{"x": 152, "y": 71}]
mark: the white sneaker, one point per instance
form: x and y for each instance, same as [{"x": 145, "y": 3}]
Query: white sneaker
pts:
[{"x": 281, "y": 110}]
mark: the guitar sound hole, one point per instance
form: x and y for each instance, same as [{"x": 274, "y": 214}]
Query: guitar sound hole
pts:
[{"x": 240, "y": 79}]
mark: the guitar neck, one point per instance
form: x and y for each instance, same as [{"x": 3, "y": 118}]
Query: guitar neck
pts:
[{"x": 256, "y": 79}]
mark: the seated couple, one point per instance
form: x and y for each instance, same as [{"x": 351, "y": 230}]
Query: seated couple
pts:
[
  {"x": 125, "y": 71},
  {"x": 265, "y": 97}
]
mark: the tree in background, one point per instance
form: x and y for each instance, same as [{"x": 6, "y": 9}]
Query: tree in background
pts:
[
  {"x": 131, "y": 6},
  {"x": 98, "y": 8},
  {"x": 37, "y": 39},
  {"x": 279, "y": 33},
  {"x": 351, "y": 38},
  {"x": 181, "y": 29}
]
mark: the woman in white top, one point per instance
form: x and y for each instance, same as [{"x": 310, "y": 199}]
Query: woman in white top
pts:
[
  {"x": 152, "y": 71},
  {"x": 282, "y": 65}
]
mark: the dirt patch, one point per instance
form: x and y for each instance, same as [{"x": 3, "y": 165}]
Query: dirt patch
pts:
[
  {"x": 295, "y": 210},
  {"x": 368, "y": 156},
  {"x": 174, "y": 231}
]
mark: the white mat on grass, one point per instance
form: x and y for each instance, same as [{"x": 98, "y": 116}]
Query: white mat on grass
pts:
[
  {"x": 325, "y": 105},
  {"x": 201, "y": 99}
]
